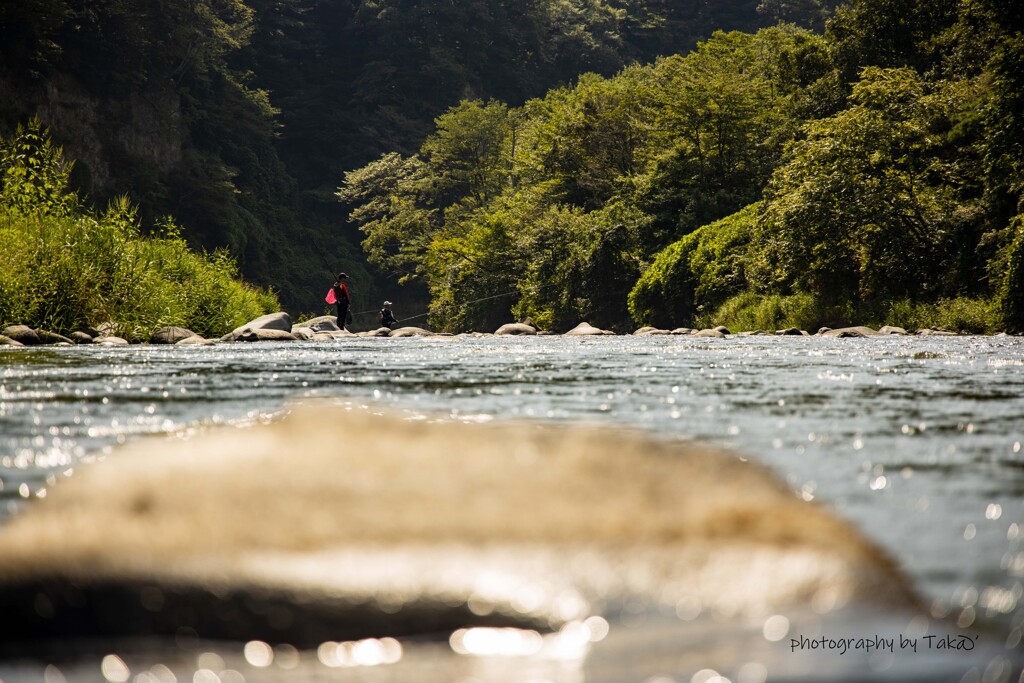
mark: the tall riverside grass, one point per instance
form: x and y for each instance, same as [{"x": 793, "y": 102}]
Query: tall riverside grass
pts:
[
  {"x": 969, "y": 316},
  {"x": 63, "y": 267},
  {"x": 752, "y": 311}
]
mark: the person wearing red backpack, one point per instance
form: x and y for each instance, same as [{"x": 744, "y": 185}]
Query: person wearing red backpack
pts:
[{"x": 339, "y": 292}]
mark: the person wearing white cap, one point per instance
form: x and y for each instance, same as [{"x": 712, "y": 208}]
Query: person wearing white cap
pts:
[{"x": 387, "y": 318}]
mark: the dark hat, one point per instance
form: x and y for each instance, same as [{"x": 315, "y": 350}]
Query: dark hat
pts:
[{"x": 342, "y": 276}]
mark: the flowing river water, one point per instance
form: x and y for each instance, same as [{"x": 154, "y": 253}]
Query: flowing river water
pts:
[{"x": 918, "y": 441}]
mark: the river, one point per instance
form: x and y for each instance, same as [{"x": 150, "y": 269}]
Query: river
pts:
[{"x": 919, "y": 441}]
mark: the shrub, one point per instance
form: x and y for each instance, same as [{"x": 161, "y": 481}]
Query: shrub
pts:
[
  {"x": 700, "y": 271},
  {"x": 1011, "y": 296},
  {"x": 962, "y": 314},
  {"x": 63, "y": 266},
  {"x": 769, "y": 312}
]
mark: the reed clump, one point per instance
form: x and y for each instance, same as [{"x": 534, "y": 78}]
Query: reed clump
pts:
[{"x": 64, "y": 266}]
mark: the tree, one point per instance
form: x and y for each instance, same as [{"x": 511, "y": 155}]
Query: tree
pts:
[
  {"x": 861, "y": 211},
  {"x": 696, "y": 273}
]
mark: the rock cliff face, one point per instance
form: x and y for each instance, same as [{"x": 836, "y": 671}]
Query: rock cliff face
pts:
[{"x": 142, "y": 128}]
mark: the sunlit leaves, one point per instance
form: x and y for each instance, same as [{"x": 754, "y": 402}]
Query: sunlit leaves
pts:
[{"x": 858, "y": 213}]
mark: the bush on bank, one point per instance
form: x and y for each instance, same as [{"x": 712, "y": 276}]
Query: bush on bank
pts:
[
  {"x": 64, "y": 266},
  {"x": 753, "y": 311}
]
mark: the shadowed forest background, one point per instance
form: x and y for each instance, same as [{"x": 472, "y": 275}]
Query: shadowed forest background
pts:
[{"x": 617, "y": 161}]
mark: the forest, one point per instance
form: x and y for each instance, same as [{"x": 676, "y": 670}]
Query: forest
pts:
[
  {"x": 625, "y": 162},
  {"x": 870, "y": 174}
]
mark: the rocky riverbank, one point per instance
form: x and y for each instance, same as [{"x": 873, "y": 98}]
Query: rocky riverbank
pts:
[{"x": 279, "y": 327}]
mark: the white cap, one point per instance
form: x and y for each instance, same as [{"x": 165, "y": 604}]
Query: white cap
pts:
[{"x": 387, "y": 303}]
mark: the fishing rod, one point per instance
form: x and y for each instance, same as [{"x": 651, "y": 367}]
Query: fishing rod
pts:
[{"x": 468, "y": 303}]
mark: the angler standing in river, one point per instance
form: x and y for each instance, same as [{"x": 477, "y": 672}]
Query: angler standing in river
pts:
[{"x": 341, "y": 299}]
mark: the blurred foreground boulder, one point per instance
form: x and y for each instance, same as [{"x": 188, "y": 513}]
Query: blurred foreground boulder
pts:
[{"x": 339, "y": 524}]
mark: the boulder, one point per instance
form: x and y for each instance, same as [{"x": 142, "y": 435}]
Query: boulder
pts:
[
  {"x": 723, "y": 329},
  {"x": 713, "y": 332},
  {"x": 7, "y": 341},
  {"x": 647, "y": 331},
  {"x": 790, "y": 332},
  {"x": 323, "y": 323},
  {"x": 379, "y": 332},
  {"x": 822, "y": 330},
  {"x": 47, "y": 337},
  {"x": 858, "y": 331},
  {"x": 303, "y": 333},
  {"x": 410, "y": 332},
  {"x": 170, "y": 335},
  {"x": 23, "y": 334},
  {"x": 450, "y": 517},
  {"x": 194, "y": 340},
  {"x": 936, "y": 333},
  {"x": 754, "y": 333},
  {"x": 111, "y": 341},
  {"x": 516, "y": 329},
  {"x": 272, "y": 321},
  {"x": 683, "y": 330},
  {"x": 890, "y": 329},
  {"x": 81, "y": 337},
  {"x": 585, "y": 330},
  {"x": 265, "y": 334}
]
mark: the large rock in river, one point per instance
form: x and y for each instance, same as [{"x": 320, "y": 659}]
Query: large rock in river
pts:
[
  {"x": 23, "y": 334},
  {"x": 516, "y": 329},
  {"x": 410, "y": 332},
  {"x": 858, "y": 331},
  {"x": 265, "y": 334},
  {"x": 47, "y": 337},
  {"x": 170, "y": 335},
  {"x": 323, "y": 323},
  {"x": 585, "y": 329},
  {"x": 417, "y": 527},
  {"x": 271, "y": 321}
]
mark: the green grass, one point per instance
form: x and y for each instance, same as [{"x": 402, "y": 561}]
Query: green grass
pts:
[
  {"x": 968, "y": 316},
  {"x": 63, "y": 267},
  {"x": 769, "y": 312},
  {"x": 62, "y": 273}
]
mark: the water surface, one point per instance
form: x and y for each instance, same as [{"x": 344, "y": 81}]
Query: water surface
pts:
[{"x": 918, "y": 441}]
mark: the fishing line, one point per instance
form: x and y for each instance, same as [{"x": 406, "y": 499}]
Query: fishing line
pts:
[{"x": 468, "y": 303}]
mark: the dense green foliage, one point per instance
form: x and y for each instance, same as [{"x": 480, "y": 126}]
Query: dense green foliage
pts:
[
  {"x": 877, "y": 161},
  {"x": 697, "y": 273},
  {"x": 877, "y": 168},
  {"x": 563, "y": 202},
  {"x": 238, "y": 117},
  {"x": 64, "y": 266}
]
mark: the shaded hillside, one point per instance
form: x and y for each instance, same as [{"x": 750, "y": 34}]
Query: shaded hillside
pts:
[
  {"x": 784, "y": 177},
  {"x": 237, "y": 118}
]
